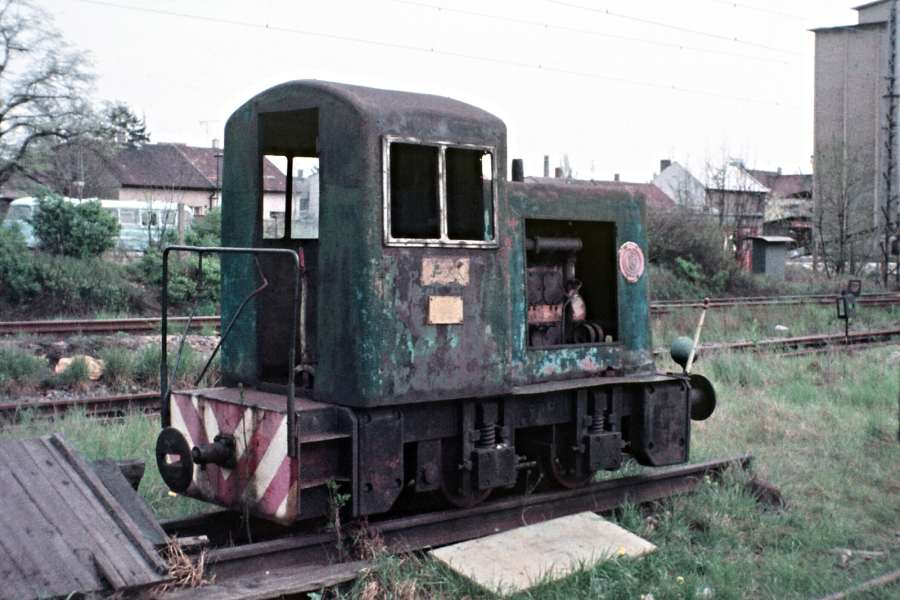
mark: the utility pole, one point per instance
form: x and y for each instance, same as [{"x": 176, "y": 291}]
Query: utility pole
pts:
[{"x": 890, "y": 168}]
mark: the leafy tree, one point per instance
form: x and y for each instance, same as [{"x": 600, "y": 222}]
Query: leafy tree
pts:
[
  {"x": 44, "y": 86},
  {"x": 119, "y": 124},
  {"x": 80, "y": 230}
]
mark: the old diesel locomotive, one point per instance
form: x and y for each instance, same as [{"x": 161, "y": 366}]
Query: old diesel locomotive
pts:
[{"x": 407, "y": 321}]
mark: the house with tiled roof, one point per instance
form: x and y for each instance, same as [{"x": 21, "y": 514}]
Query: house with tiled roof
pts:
[
  {"x": 178, "y": 173},
  {"x": 655, "y": 199},
  {"x": 789, "y": 207}
]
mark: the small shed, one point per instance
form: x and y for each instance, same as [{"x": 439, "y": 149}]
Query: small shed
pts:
[{"x": 770, "y": 254}]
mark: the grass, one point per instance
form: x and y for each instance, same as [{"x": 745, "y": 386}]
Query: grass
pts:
[
  {"x": 822, "y": 429},
  {"x": 21, "y": 370},
  {"x": 73, "y": 377},
  {"x": 132, "y": 437},
  {"x": 119, "y": 367},
  {"x": 759, "y": 322}
]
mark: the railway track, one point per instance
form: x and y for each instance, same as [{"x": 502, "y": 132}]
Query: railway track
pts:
[
  {"x": 98, "y": 326},
  {"x": 118, "y": 405},
  {"x": 875, "y": 299},
  {"x": 303, "y": 560},
  {"x": 152, "y": 324},
  {"x": 148, "y": 402}
]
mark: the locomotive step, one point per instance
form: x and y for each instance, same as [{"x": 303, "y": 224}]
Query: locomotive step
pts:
[
  {"x": 318, "y": 438},
  {"x": 306, "y": 484}
]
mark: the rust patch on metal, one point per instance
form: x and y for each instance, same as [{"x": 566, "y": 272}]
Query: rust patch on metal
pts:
[
  {"x": 445, "y": 271},
  {"x": 445, "y": 310}
]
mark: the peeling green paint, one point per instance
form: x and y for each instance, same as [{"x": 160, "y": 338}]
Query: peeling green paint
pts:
[{"x": 374, "y": 343}]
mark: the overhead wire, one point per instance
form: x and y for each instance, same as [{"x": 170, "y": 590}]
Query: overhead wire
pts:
[
  {"x": 760, "y": 9},
  {"x": 582, "y": 31},
  {"x": 438, "y": 52},
  {"x": 680, "y": 28}
]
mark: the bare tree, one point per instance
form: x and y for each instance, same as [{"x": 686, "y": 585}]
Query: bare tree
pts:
[
  {"x": 843, "y": 196},
  {"x": 44, "y": 86},
  {"x": 739, "y": 200},
  {"x": 80, "y": 167}
]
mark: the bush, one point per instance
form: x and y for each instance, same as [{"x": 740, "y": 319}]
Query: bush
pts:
[
  {"x": 17, "y": 281},
  {"x": 67, "y": 229},
  {"x": 20, "y": 370},
  {"x": 183, "y": 277},
  {"x": 206, "y": 231},
  {"x": 682, "y": 235},
  {"x": 83, "y": 285}
]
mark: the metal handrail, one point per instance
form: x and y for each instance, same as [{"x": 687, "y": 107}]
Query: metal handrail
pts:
[{"x": 292, "y": 353}]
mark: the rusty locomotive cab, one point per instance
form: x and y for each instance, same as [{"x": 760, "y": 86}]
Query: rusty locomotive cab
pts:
[{"x": 440, "y": 330}]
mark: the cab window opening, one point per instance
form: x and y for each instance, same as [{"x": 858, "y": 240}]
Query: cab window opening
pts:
[
  {"x": 415, "y": 204},
  {"x": 438, "y": 194},
  {"x": 291, "y": 185},
  {"x": 469, "y": 194}
]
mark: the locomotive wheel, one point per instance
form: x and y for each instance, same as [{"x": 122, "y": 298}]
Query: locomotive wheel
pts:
[
  {"x": 451, "y": 479},
  {"x": 563, "y": 466},
  {"x": 460, "y": 500},
  {"x": 566, "y": 478}
]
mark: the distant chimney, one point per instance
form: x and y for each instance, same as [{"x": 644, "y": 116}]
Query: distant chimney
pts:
[
  {"x": 779, "y": 170},
  {"x": 518, "y": 170},
  {"x": 546, "y": 165},
  {"x": 558, "y": 173},
  {"x": 664, "y": 164},
  {"x": 215, "y": 143},
  {"x": 616, "y": 177}
]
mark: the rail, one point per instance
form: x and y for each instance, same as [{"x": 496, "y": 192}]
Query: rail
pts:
[
  {"x": 152, "y": 324},
  {"x": 314, "y": 552},
  {"x": 147, "y": 402}
]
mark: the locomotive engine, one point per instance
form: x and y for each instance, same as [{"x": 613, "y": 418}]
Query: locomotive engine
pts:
[{"x": 407, "y": 323}]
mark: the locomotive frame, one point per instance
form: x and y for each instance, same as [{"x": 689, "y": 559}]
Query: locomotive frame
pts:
[{"x": 456, "y": 336}]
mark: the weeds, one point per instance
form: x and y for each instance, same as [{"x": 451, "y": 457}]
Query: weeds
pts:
[
  {"x": 74, "y": 377},
  {"x": 336, "y": 502},
  {"x": 119, "y": 369},
  {"x": 185, "y": 573},
  {"x": 146, "y": 366},
  {"x": 20, "y": 370}
]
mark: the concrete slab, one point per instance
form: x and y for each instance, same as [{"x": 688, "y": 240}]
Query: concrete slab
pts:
[{"x": 515, "y": 560}]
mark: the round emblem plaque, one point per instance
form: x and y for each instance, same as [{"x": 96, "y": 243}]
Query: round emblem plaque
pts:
[{"x": 631, "y": 262}]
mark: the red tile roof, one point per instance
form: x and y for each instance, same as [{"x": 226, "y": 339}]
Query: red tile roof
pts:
[
  {"x": 656, "y": 199},
  {"x": 179, "y": 166},
  {"x": 784, "y": 186}
]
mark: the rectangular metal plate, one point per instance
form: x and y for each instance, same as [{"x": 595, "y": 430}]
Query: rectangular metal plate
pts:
[
  {"x": 445, "y": 310},
  {"x": 445, "y": 271}
]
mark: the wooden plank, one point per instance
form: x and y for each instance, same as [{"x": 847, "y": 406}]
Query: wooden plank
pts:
[
  {"x": 38, "y": 532},
  {"x": 275, "y": 583},
  {"x": 19, "y": 563},
  {"x": 113, "y": 508},
  {"x": 110, "y": 474},
  {"x": 61, "y": 530},
  {"x": 136, "y": 555},
  {"x": 517, "y": 559},
  {"x": 65, "y": 504}
]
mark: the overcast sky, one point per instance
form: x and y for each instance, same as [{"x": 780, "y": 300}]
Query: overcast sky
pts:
[{"x": 615, "y": 84}]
